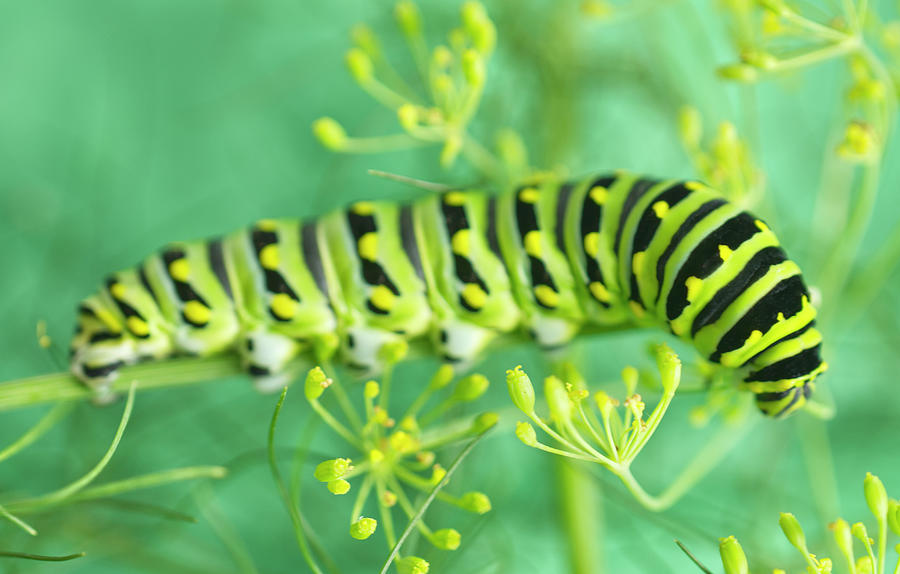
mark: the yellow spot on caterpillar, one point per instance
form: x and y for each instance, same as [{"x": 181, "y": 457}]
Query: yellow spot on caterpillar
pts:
[
  {"x": 196, "y": 312},
  {"x": 693, "y": 284},
  {"x": 636, "y": 309},
  {"x": 533, "y": 243},
  {"x": 460, "y": 242},
  {"x": 660, "y": 208},
  {"x": 780, "y": 317},
  {"x": 755, "y": 336},
  {"x": 117, "y": 290},
  {"x": 599, "y": 291},
  {"x": 637, "y": 262},
  {"x": 599, "y": 194},
  {"x": 269, "y": 256},
  {"x": 367, "y": 246},
  {"x": 725, "y": 252},
  {"x": 180, "y": 270},
  {"x": 267, "y": 225},
  {"x": 761, "y": 226},
  {"x": 592, "y": 244},
  {"x": 382, "y": 298},
  {"x": 138, "y": 326},
  {"x": 693, "y": 185},
  {"x": 474, "y": 295},
  {"x": 546, "y": 295},
  {"x": 529, "y": 195},
  {"x": 456, "y": 198},
  {"x": 363, "y": 208},
  {"x": 283, "y": 306}
]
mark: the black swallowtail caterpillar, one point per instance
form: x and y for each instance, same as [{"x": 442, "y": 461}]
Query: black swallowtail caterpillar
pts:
[{"x": 461, "y": 268}]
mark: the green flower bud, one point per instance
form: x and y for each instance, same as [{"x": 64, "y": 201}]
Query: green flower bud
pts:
[
  {"x": 843, "y": 537},
  {"x": 605, "y": 403},
  {"x": 557, "y": 399},
  {"x": 792, "y": 531},
  {"x": 389, "y": 498},
  {"x": 876, "y": 496},
  {"x": 332, "y": 469},
  {"x": 394, "y": 351},
  {"x": 360, "y": 65},
  {"x": 484, "y": 421},
  {"x": 526, "y": 433},
  {"x": 739, "y": 72},
  {"x": 733, "y": 558},
  {"x": 859, "y": 531},
  {"x": 451, "y": 149},
  {"x": 441, "y": 57},
  {"x": 470, "y": 388},
  {"x": 476, "y": 502},
  {"x": 339, "y": 486},
  {"x": 425, "y": 458},
  {"x": 409, "y": 424},
  {"x": 371, "y": 390},
  {"x": 520, "y": 390},
  {"x": 859, "y": 143},
  {"x": 894, "y": 516},
  {"x": 408, "y": 116},
  {"x": 402, "y": 442},
  {"x": 365, "y": 39},
  {"x": 438, "y": 473},
  {"x": 316, "y": 383},
  {"x": 412, "y": 565},
  {"x": 479, "y": 26},
  {"x": 630, "y": 377},
  {"x": 669, "y": 368},
  {"x": 363, "y": 528},
  {"x": 441, "y": 378},
  {"x": 690, "y": 126},
  {"x": 759, "y": 59},
  {"x": 473, "y": 68},
  {"x": 329, "y": 133},
  {"x": 408, "y": 17},
  {"x": 446, "y": 539}
]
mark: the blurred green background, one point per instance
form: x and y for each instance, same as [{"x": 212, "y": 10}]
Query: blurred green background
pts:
[{"x": 124, "y": 125}]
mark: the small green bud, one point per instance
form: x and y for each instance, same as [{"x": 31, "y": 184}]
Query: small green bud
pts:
[
  {"x": 739, "y": 72},
  {"x": 520, "y": 390},
  {"x": 630, "y": 377},
  {"x": 876, "y": 496},
  {"x": 332, "y": 469},
  {"x": 393, "y": 352},
  {"x": 339, "y": 486},
  {"x": 446, "y": 539},
  {"x": 360, "y": 65},
  {"x": 441, "y": 57},
  {"x": 526, "y": 433},
  {"x": 859, "y": 531},
  {"x": 412, "y": 565},
  {"x": 402, "y": 442},
  {"x": 425, "y": 458},
  {"x": 408, "y": 116},
  {"x": 473, "y": 68},
  {"x": 479, "y": 27},
  {"x": 669, "y": 368},
  {"x": 690, "y": 126},
  {"x": 316, "y": 383},
  {"x": 371, "y": 389},
  {"x": 363, "y": 528},
  {"x": 441, "y": 378},
  {"x": 476, "y": 502},
  {"x": 438, "y": 473},
  {"x": 408, "y": 17},
  {"x": 759, "y": 59},
  {"x": 605, "y": 403},
  {"x": 484, "y": 421},
  {"x": 329, "y": 133},
  {"x": 470, "y": 388},
  {"x": 389, "y": 498},
  {"x": 365, "y": 40},
  {"x": 894, "y": 516},
  {"x": 843, "y": 537},
  {"x": 859, "y": 143},
  {"x": 733, "y": 558},
  {"x": 792, "y": 531},
  {"x": 557, "y": 399},
  {"x": 409, "y": 423}
]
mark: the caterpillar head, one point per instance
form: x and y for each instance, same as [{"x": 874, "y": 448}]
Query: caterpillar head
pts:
[{"x": 783, "y": 377}]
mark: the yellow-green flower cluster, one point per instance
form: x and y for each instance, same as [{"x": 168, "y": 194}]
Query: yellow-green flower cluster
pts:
[
  {"x": 436, "y": 109},
  {"x": 396, "y": 455},
  {"x": 848, "y": 538}
]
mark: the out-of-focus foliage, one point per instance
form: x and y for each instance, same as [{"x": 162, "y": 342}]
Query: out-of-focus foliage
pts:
[{"x": 125, "y": 126}]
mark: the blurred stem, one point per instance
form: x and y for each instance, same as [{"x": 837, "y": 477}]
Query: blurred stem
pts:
[
  {"x": 582, "y": 517},
  {"x": 37, "y": 431},
  {"x": 819, "y": 466}
]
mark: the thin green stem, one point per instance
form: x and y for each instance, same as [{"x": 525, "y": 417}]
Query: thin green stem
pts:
[
  {"x": 17, "y": 521},
  {"x": 582, "y": 517},
  {"x": 343, "y": 400},
  {"x": 361, "y": 498},
  {"x": 334, "y": 424},
  {"x": 37, "y": 431},
  {"x": 835, "y": 50},
  {"x": 428, "y": 500},
  {"x": 384, "y": 512},
  {"x": 41, "y": 557}
]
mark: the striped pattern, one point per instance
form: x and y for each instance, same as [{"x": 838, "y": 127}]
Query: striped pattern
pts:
[{"x": 462, "y": 268}]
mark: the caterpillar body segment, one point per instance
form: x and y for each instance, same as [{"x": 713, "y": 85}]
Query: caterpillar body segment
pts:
[{"x": 460, "y": 269}]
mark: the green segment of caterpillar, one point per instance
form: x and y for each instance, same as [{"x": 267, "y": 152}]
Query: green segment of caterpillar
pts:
[{"x": 460, "y": 270}]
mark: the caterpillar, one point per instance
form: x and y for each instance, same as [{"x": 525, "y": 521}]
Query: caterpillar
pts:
[{"x": 459, "y": 269}]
